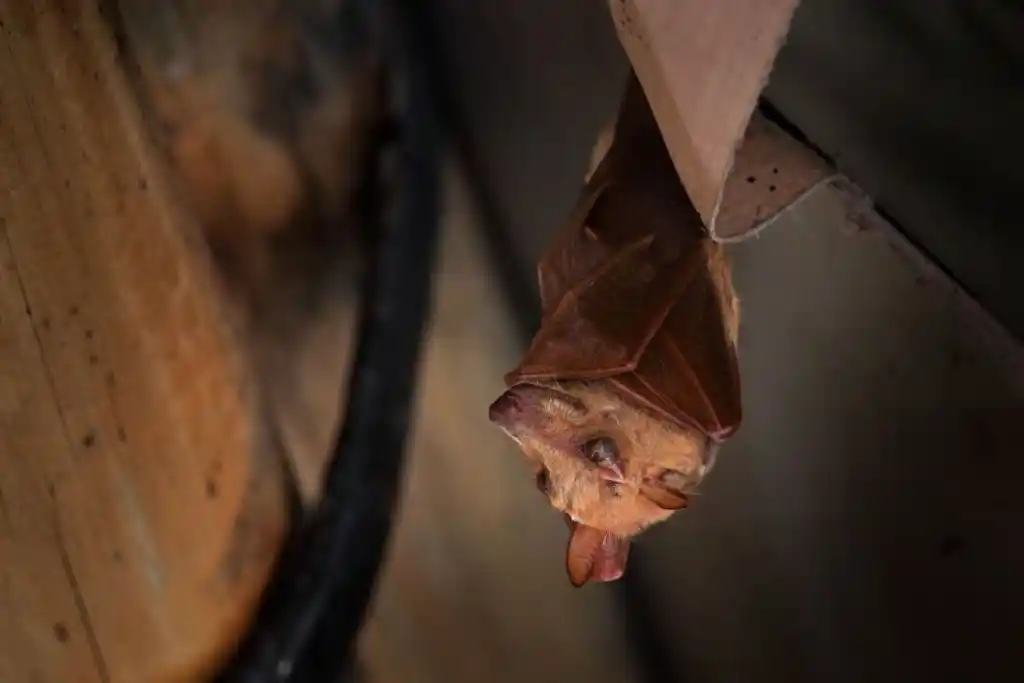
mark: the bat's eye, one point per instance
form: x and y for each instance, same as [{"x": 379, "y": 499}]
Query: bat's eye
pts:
[
  {"x": 601, "y": 451},
  {"x": 543, "y": 481}
]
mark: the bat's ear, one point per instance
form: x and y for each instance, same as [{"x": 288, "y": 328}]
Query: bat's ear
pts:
[
  {"x": 595, "y": 555},
  {"x": 666, "y": 491}
]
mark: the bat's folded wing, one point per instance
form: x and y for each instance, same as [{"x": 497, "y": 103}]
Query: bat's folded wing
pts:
[
  {"x": 628, "y": 297},
  {"x": 688, "y": 372}
]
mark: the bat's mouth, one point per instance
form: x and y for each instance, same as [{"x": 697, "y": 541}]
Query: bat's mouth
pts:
[{"x": 594, "y": 555}]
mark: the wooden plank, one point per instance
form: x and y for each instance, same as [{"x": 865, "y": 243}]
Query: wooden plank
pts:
[
  {"x": 40, "y": 604},
  {"x": 703, "y": 66},
  {"x": 142, "y": 503}
]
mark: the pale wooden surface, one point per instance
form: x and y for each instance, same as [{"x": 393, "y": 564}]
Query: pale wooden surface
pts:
[
  {"x": 139, "y": 503},
  {"x": 703, "y": 66}
]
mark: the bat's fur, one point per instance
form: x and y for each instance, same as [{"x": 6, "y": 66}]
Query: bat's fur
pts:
[
  {"x": 553, "y": 430},
  {"x": 553, "y": 420}
]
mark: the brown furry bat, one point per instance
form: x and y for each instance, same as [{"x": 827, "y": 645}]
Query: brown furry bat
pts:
[{"x": 631, "y": 382}]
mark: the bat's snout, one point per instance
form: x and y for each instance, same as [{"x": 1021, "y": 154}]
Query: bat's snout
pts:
[
  {"x": 528, "y": 404},
  {"x": 506, "y": 409}
]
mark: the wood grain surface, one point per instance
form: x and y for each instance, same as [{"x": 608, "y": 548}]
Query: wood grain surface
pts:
[
  {"x": 141, "y": 502},
  {"x": 167, "y": 227}
]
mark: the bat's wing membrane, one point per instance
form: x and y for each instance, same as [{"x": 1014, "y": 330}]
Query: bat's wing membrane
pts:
[
  {"x": 627, "y": 295},
  {"x": 605, "y": 291},
  {"x": 688, "y": 372}
]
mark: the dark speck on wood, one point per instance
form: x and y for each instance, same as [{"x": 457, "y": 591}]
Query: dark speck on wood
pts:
[{"x": 60, "y": 632}]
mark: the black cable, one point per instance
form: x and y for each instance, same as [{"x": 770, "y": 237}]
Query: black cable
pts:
[{"x": 307, "y": 626}]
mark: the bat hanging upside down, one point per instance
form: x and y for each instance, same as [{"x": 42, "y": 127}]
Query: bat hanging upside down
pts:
[{"x": 631, "y": 383}]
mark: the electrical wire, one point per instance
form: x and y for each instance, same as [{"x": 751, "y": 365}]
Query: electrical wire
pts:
[{"x": 310, "y": 618}]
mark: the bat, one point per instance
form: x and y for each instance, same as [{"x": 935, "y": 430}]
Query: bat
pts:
[{"x": 631, "y": 383}]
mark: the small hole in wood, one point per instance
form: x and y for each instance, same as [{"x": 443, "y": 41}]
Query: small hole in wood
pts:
[
  {"x": 89, "y": 440},
  {"x": 60, "y": 632},
  {"x": 751, "y": 179},
  {"x": 771, "y": 188}
]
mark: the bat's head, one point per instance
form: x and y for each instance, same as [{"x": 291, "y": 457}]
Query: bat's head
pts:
[{"x": 612, "y": 469}]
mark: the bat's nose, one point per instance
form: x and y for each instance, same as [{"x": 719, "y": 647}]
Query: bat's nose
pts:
[{"x": 505, "y": 408}]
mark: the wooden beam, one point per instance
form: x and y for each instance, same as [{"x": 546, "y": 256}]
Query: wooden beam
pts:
[
  {"x": 703, "y": 66},
  {"x": 142, "y": 478}
]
